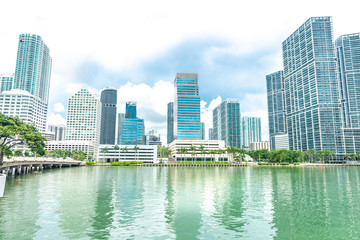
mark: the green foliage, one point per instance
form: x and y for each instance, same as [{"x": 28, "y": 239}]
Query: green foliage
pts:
[
  {"x": 125, "y": 163},
  {"x": 14, "y": 132},
  {"x": 90, "y": 163}
]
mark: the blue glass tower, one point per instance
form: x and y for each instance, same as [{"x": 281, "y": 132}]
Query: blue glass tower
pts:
[
  {"x": 187, "y": 124},
  {"x": 348, "y": 56},
  {"x": 130, "y": 110},
  {"x": 131, "y": 129},
  {"x": 313, "y": 110},
  {"x": 250, "y": 130},
  {"x": 276, "y": 106},
  {"x": 227, "y": 123}
]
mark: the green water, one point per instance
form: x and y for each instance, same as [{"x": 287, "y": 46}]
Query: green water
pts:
[{"x": 183, "y": 203}]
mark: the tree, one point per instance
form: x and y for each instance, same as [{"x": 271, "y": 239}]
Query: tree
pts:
[
  {"x": 104, "y": 150},
  {"x": 193, "y": 150},
  {"x": 14, "y": 132},
  {"x": 125, "y": 150},
  {"x": 116, "y": 148},
  {"x": 202, "y": 152},
  {"x": 183, "y": 151},
  {"x": 136, "y": 149}
]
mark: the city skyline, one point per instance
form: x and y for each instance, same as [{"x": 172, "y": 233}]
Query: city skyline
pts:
[{"x": 226, "y": 50}]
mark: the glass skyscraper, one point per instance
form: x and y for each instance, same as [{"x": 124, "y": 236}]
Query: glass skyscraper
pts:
[
  {"x": 108, "y": 101},
  {"x": 170, "y": 122},
  {"x": 227, "y": 123},
  {"x": 6, "y": 81},
  {"x": 276, "y": 106},
  {"x": 250, "y": 130},
  {"x": 348, "y": 56},
  {"x": 312, "y": 104},
  {"x": 187, "y": 124},
  {"x": 33, "y": 66},
  {"x": 131, "y": 128}
]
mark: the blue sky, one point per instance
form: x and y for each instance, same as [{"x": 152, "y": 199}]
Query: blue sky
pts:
[{"x": 139, "y": 46}]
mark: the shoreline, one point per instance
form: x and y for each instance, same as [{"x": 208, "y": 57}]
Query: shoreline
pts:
[{"x": 225, "y": 165}]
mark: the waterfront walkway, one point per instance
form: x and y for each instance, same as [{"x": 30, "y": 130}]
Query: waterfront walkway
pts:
[{"x": 20, "y": 165}]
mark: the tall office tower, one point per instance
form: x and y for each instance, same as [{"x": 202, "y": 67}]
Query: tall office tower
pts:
[
  {"x": 211, "y": 134},
  {"x": 6, "y": 81},
  {"x": 25, "y": 106},
  {"x": 59, "y": 132},
  {"x": 202, "y": 130},
  {"x": 108, "y": 101},
  {"x": 313, "y": 110},
  {"x": 250, "y": 130},
  {"x": 187, "y": 107},
  {"x": 83, "y": 118},
  {"x": 33, "y": 66},
  {"x": 130, "y": 110},
  {"x": 133, "y": 131},
  {"x": 131, "y": 128},
  {"x": 170, "y": 122},
  {"x": 276, "y": 108},
  {"x": 121, "y": 117},
  {"x": 227, "y": 122},
  {"x": 348, "y": 56}
]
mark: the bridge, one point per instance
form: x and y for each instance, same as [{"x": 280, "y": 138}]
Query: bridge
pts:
[{"x": 20, "y": 165}]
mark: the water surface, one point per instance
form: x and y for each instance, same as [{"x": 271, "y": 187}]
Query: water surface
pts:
[{"x": 183, "y": 203}]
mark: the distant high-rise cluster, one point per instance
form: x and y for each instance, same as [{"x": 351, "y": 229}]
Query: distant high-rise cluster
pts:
[
  {"x": 131, "y": 128},
  {"x": 317, "y": 96}
]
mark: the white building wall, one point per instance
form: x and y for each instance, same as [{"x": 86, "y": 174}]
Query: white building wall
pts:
[
  {"x": 281, "y": 141},
  {"x": 145, "y": 153}
]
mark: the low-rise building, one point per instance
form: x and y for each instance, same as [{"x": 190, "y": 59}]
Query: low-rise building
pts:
[
  {"x": 197, "y": 155},
  {"x": 259, "y": 145},
  {"x": 143, "y": 153},
  {"x": 84, "y": 146}
]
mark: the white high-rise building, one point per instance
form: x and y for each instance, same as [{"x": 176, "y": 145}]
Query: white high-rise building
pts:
[
  {"x": 25, "y": 106},
  {"x": 251, "y": 130},
  {"x": 83, "y": 118}
]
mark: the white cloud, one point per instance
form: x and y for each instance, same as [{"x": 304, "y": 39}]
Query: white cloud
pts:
[
  {"x": 59, "y": 107},
  {"x": 55, "y": 119}
]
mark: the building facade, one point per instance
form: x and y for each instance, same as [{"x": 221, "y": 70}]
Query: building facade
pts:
[
  {"x": 250, "y": 130},
  {"x": 227, "y": 123},
  {"x": 153, "y": 138},
  {"x": 348, "y": 56},
  {"x": 142, "y": 153},
  {"x": 87, "y": 147},
  {"x": 211, "y": 134},
  {"x": 187, "y": 124},
  {"x": 33, "y": 66},
  {"x": 259, "y": 145},
  {"x": 170, "y": 122},
  {"x": 108, "y": 101},
  {"x": 83, "y": 118},
  {"x": 121, "y": 117},
  {"x": 276, "y": 106},
  {"x": 6, "y": 81},
  {"x": 25, "y": 106},
  {"x": 59, "y": 132},
  {"x": 130, "y": 110},
  {"x": 133, "y": 131},
  {"x": 313, "y": 110},
  {"x": 202, "y": 131}
]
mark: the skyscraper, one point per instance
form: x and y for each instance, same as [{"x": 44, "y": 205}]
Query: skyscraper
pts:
[
  {"x": 83, "y": 118},
  {"x": 313, "y": 111},
  {"x": 131, "y": 128},
  {"x": 202, "y": 131},
  {"x": 227, "y": 123},
  {"x": 33, "y": 66},
  {"x": 211, "y": 134},
  {"x": 276, "y": 107},
  {"x": 187, "y": 107},
  {"x": 170, "y": 122},
  {"x": 130, "y": 110},
  {"x": 250, "y": 130},
  {"x": 108, "y": 101},
  {"x": 348, "y": 56},
  {"x": 121, "y": 117},
  {"x": 6, "y": 81}
]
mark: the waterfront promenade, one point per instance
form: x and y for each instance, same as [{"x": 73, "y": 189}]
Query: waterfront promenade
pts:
[{"x": 18, "y": 165}]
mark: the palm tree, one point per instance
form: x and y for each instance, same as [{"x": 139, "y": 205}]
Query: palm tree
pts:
[
  {"x": 202, "y": 151},
  {"x": 116, "y": 148},
  {"x": 104, "y": 150},
  {"x": 213, "y": 152},
  {"x": 125, "y": 150},
  {"x": 193, "y": 149},
  {"x": 183, "y": 150},
  {"x": 136, "y": 149}
]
